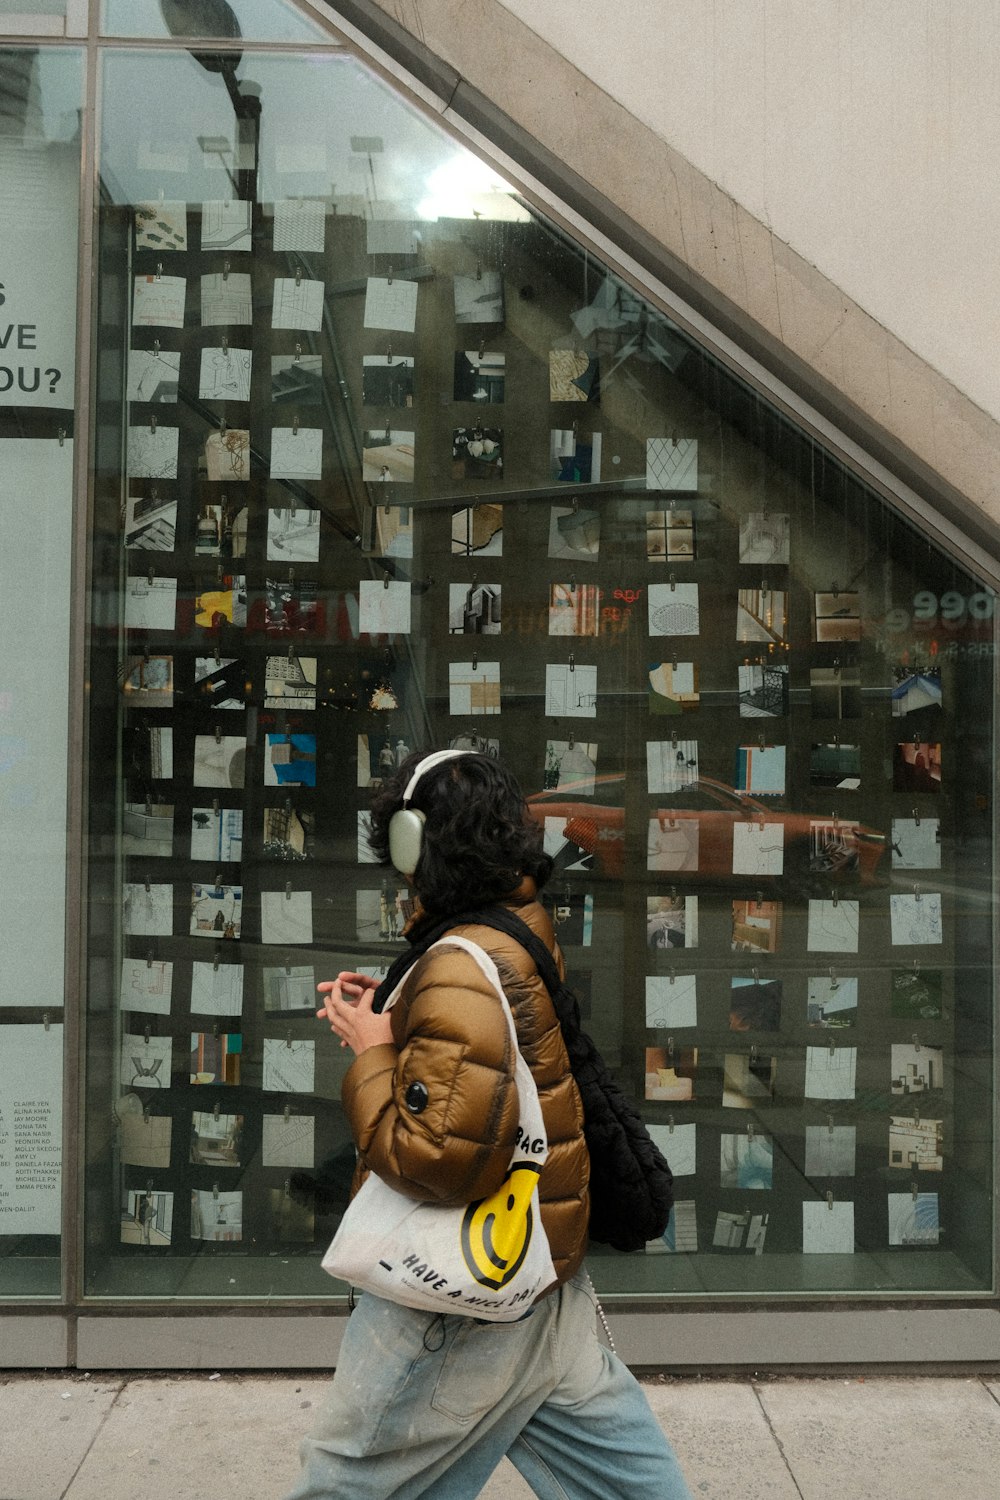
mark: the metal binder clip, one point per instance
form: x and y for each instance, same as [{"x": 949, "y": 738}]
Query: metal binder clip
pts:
[
  {"x": 218, "y": 735},
  {"x": 295, "y": 429},
  {"x": 482, "y": 348},
  {"x": 572, "y": 662},
  {"x": 288, "y": 1039},
  {"x": 287, "y": 1113},
  {"x": 61, "y": 434},
  {"x": 149, "y": 958},
  {"x": 475, "y": 660},
  {"x": 215, "y": 1190},
  {"x": 829, "y": 1201},
  {"x": 916, "y": 1042},
  {"x": 670, "y": 1124},
  {"x": 479, "y": 270},
  {"x": 225, "y": 347},
  {"x": 217, "y": 1110},
  {"x": 146, "y": 1034},
  {"x": 288, "y": 890},
  {"x": 673, "y": 582},
  {"x": 672, "y": 977},
  {"x": 215, "y": 962},
  {"x": 298, "y": 354},
  {"x": 46, "y": 1019},
  {"x": 298, "y": 276},
  {"x": 916, "y": 893},
  {"x": 147, "y": 885},
  {"x": 159, "y": 271},
  {"x": 152, "y": 426},
  {"x": 834, "y": 898},
  {"x": 222, "y": 427},
  {"x": 572, "y": 584},
  {"x": 225, "y": 270},
  {"x": 750, "y": 1130},
  {"x": 215, "y": 806},
  {"x": 829, "y": 1124}
]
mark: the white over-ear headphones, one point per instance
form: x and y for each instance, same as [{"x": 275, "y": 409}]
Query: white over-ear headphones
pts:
[{"x": 406, "y": 827}]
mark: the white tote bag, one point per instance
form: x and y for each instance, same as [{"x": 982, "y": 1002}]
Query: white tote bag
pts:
[{"x": 489, "y": 1259}]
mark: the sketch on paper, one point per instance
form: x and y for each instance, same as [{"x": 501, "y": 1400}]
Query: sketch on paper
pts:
[
  {"x": 153, "y": 375},
  {"x": 225, "y": 374},
  {"x": 671, "y": 1000},
  {"x": 226, "y": 301},
  {"x": 296, "y": 452}
]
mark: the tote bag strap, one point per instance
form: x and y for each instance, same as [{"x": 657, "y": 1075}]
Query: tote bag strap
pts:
[{"x": 533, "y": 1141}]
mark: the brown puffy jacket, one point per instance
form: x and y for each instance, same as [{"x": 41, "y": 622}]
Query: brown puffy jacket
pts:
[{"x": 434, "y": 1114}]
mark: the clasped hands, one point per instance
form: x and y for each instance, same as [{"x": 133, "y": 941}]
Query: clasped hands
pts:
[{"x": 348, "y": 1008}]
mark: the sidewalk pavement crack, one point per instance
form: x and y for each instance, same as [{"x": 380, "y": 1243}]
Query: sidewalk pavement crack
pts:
[
  {"x": 994, "y": 1395},
  {"x": 100, "y": 1429},
  {"x": 781, "y": 1447}
]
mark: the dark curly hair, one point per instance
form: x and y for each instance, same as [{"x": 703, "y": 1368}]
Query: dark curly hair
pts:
[{"x": 479, "y": 838}]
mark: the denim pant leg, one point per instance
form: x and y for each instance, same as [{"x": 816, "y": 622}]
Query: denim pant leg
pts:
[
  {"x": 422, "y": 1406},
  {"x": 595, "y": 1437}
]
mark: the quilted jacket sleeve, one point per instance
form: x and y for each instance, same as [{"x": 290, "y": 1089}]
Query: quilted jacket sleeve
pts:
[{"x": 435, "y": 1114}]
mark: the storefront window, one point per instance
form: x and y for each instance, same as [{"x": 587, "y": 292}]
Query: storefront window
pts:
[
  {"x": 385, "y": 462},
  {"x": 39, "y": 187}
]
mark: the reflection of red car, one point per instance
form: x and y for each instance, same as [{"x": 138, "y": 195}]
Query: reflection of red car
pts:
[{"x": 696, "y": 841}]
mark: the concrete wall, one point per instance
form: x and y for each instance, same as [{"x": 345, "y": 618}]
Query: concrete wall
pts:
[
  {"x": 863, "y": 133},
  {"x": 822, "y": 168}
]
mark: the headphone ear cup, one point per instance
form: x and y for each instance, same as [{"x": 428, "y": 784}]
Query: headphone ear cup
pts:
[{"x": 406, "y": 838}]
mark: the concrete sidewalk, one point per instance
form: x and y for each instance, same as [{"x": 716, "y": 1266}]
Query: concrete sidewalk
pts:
[{"x": 191, "y": 1437}]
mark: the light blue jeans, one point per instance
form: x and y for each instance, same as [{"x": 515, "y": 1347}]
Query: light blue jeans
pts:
[{"x": 424, "y": 1405}]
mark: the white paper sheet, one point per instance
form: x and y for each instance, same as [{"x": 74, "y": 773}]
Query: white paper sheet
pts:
[
  {"x": 216, "y": 991},
  {"x": 391, "y": 304},
  {"x": 225, "y": 374},
  {"x": 226, "y": 301},
  {"x": 158, "y": 302},
  {"x": 671, "y": 1000},
  {"x": 152, "y": 452},
  {"x": 146, "y": 985},
  {"x": 916, "y": 843},
  {"x": 916, "y": 919},
  {"x": 673, "y": 609},
  {"x": 570, "y": 693},
  {"x": 384, "y": 609},
  {"x": 758, "y": 849},
  {"x": 286, "y": 916},
  {"x": 678, "y": 1145},
  {"x": 296, "y": 454},
  {"x": 300, "y": 224},
  {"x": 828, "y": 1228},
  {"x": 225, "y": 224},
  {"x": 289, "y": 1066},
  {"x": 833, "y": 927}
]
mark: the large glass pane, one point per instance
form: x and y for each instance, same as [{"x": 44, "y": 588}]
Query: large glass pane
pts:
[
  {"x": 204, "y": 20},
  {"x": 40, "y": 97},
  {"x": 386, "y": 462}
]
